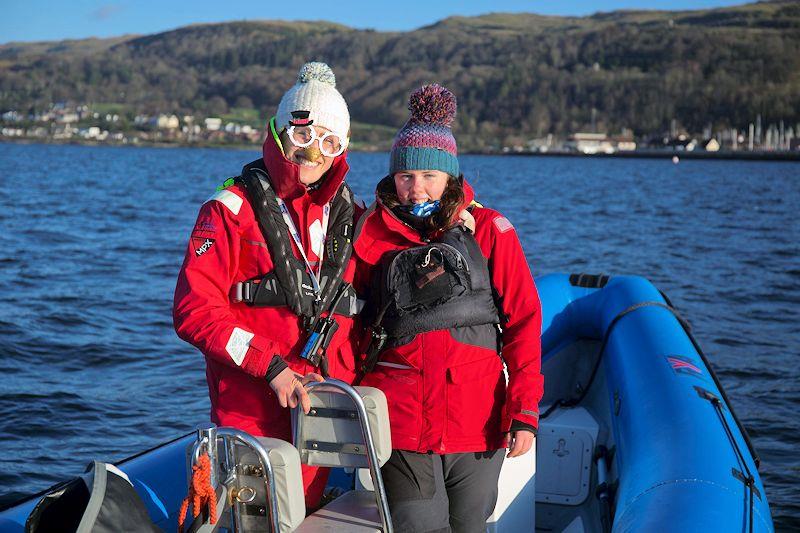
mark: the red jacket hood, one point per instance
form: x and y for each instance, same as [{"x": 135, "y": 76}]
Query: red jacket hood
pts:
[
  {"x": 285, "y": 175},
  {"x": 382, "y": 230}
]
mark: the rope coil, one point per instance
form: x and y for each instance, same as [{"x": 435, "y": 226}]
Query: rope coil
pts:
[{"x": 201, "y": 494}]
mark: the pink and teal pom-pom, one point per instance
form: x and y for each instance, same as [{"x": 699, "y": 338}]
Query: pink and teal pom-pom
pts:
[{"x": 433, "y": 104}]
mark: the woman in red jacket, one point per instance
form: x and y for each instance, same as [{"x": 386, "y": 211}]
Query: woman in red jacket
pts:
[
  {"x": 448, "y": 308},
  {"x": 236, "y": 299}
]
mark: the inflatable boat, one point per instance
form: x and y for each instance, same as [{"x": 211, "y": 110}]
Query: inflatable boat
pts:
[
  {"x": 635, "y": 434},
  {"x": 628, "y": 388}
]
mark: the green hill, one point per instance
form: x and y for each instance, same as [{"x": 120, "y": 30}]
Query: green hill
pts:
[{"x": 514, "y": 74}]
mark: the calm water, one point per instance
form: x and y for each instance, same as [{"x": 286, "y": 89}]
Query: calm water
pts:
[{"x": 92, "y": 239}]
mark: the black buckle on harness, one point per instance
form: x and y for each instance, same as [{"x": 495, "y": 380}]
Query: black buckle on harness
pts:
[
  {"x": 266, "y": 292},
  {"x": 251, "y": 292},
  {"x": 377, "y": 341},
  {"x": 365, "y": 365}
]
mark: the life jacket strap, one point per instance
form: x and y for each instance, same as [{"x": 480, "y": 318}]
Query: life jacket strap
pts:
[
  {"x": 289, "y": 284},
  {"x": 267, "y": 292}
]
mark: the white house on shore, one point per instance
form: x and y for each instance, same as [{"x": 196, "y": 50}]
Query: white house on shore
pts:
[
  {"x": 213, "y": 123},
  {"x": 600, "y": 143},
  {"x": 167, "y": 122}
]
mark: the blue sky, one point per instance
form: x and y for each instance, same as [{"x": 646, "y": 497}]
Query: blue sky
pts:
[{"x": 43, "y": 20}]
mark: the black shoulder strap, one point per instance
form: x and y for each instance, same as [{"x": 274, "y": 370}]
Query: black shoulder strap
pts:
[
  {"x": 262, "y": 198},
  {"x": 289, "y": 271},
  {"x": 339, "y": 242}
]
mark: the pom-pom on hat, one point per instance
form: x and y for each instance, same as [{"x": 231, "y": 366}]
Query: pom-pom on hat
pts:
[
  {"x": 315, "y": 100},
  {"x": 426, "y": 141}
]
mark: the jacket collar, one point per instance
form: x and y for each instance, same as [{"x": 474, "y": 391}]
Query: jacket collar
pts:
[
  {"x": 393, "y": 222},
  {"x": 382, "y": 230},
  {"x": 285, "y": 175}
]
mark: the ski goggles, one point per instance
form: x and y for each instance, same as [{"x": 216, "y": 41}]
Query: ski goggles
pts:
[{"x": 330, "y": 144}]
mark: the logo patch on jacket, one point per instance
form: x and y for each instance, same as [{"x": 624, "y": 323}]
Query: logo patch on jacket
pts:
[
  {"x": 502, "y": 224},
  {"x": 201, "y": 246},
  {"x": 203, "y": 226}
]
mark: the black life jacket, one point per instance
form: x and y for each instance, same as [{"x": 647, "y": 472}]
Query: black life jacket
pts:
[
  {"x": 289, "y": 283},
  {"x": 101, "y": 501},
  {"x": 441, "y": 285}
]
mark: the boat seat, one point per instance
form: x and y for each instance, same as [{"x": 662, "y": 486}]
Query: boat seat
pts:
[
  {"x": 352, "y": 512},
  {"x": 288, "y": 476},
  {"x": 331, "y": 435}
]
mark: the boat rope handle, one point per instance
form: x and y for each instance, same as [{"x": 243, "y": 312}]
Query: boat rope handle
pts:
[
  {"x": 201, "y": 493},
  {"x": 746, "y": 476},
  {"x": 572, "y": 402}
]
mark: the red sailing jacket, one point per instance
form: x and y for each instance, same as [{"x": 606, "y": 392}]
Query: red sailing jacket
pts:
[
  {"x": 446, "y": 396},
  {"x": 226, "y": 246}
]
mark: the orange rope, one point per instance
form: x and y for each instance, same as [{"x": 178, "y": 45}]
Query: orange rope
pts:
[{"x": 201, "y": 493}]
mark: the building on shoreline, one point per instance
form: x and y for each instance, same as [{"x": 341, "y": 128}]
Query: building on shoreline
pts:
[
  {"x": 63, "y": 122},
  {"x": 118, "y": 124}
]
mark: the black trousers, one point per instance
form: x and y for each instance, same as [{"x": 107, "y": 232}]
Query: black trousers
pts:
[{"x": 440, "y": 493}]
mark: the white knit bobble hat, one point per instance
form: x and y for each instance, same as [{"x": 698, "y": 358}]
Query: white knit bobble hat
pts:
[{"x": 315, "y": 92}]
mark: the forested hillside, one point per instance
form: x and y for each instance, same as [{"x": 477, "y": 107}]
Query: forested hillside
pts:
[{"x": 513, "y": 74}]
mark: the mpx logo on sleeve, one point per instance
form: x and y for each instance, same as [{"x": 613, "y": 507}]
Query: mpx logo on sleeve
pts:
[{"x": 202, "y": 245}]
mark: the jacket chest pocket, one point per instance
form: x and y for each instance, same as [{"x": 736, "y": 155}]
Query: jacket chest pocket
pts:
[
  {"x": 254, "y": 258},
  {"x": 475, "y": 396}
]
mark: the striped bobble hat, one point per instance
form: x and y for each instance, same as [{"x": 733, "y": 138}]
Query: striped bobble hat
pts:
[
  {"x": 315, "y": 100},
  {"x": 426, "y": 141}
]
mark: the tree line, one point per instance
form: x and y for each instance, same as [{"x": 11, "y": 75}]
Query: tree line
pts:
[{"x": 520, "y": 75}]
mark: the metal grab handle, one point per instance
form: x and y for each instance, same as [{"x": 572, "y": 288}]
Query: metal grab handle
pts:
[
  {"x": 230, "y": 436},
  {"x": 372, "y": 454}
]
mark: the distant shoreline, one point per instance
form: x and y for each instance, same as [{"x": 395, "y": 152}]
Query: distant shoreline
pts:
[
  {"x": 722, "y": 155},
  {"x": 669, "y": 154},
  {"x": 139, "y": 144}
]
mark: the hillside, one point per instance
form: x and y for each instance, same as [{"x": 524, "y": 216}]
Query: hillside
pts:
[{"x": 514, "y": 74}]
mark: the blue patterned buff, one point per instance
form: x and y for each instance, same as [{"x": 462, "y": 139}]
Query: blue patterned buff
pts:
[{"x": 425, "y": 209}]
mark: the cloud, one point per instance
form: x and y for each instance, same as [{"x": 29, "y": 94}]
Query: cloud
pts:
[{"x": 105, "y": 12}]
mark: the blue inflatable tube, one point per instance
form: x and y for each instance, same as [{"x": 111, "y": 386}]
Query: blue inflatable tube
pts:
[{"x": 682, "y": 459}]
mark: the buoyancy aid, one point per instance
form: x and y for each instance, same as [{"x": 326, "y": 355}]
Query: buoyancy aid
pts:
[
  {"x": 444, "y": 284},
  {"x": 289, "y": 283}
]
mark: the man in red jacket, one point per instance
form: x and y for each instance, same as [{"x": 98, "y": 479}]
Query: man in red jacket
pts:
[{"x": 269, "y": 254}]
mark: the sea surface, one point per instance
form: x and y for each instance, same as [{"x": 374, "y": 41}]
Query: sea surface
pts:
[{"x": 91, "y": 240}]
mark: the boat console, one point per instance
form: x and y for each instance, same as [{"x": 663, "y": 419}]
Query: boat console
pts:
[{"x": 259, "y": 481}]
